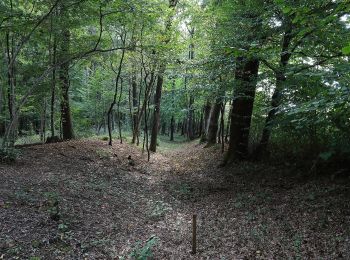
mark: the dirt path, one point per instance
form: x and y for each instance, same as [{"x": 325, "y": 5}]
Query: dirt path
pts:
[{"x": 108, "y": 204}]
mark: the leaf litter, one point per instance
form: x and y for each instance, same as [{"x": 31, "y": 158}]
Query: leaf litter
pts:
[{"x": 107, "y": 208}]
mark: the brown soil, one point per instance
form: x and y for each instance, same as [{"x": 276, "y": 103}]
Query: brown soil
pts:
[{"x": 108, "y": 204}]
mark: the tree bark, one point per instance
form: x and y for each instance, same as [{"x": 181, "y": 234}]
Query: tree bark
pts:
[
  {"x": 2, "y": 121},
  {"x": 172, "y": 128},
  {"x": 228, "y": 123},
  {"x": 110, "y": 110},
  {"x": 118, "y": 111},
  {"x": 246, "y": 74},
  {"x": 277, "y": 94},
  {"x": 213, "y": 124},
  {"x": 136, "y": 132},
  {"x": 207, "y": 108},
  {"x": 134, "y": 106},
  {"x": 190, "y": 123},
  {"x": 156, "y": 114},
  {"x": 67, "y": 127},
  {"x": 43, "y": 123},
  {"x": 160, "y": 78},
  {"x": 200, "y": 125},
  {"x": 184, "y": 127},
  {"x": 53, "y": 80},
  {"x": 147, "y": 112},
  {"x": 11, "y": 78},
  {"x": 145, "y": 105},
  {"x": 222, "y": 126}
]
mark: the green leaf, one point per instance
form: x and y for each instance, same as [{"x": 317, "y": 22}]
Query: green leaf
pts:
[
  {"x": 286, "y": 9},
  {"x": 346, "y": 50},
  {"x": 326, "y": 155}
]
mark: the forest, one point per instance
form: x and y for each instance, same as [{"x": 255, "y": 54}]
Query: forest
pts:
[{"x": 174, "y": 129}]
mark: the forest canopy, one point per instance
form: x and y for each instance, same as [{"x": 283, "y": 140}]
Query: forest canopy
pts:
[{"x": 263, "y": 78}]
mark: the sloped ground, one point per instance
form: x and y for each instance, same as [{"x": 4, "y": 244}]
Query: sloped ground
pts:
[{"x": 108, "y": 205}]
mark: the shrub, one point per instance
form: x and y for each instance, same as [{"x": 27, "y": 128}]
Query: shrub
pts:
[
  {"x": 144, "y": 252},
  {"x": 8, "y": 155},
  {"x": 104, "y": 138}
]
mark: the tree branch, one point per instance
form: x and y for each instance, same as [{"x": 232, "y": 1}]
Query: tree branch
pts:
[
  {"x": 29, "y": 35},
  {"x": 317, "y": 63}
]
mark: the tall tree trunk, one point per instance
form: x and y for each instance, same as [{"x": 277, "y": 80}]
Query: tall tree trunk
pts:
[
  {"x": 61, "y": 134},
  {"x": 190, "y": 120},
  {"x": 156, "y": 114},
  {"x": 228, "y": 123},
  {"x": 118, "y": 111},
  {"x": 145, "y": 105},
  {"x": 246, "y": 74},
  {"x": 172, "y": 128},
  {"x": 136, "y": 133},
  {"x": 2, "y": 121},
  {"x": 200, "y": 125},
  {"x": 131, "y": 107},
  {"x": 213, "y": 124},
  {"x": 53, "y": 80},
  {"x": 67, "y": 127},
  {"x": 11, "y": 78},
  {"x": 110, "y": 110},
  {"x": 275, "y": 103},
  {"x": 9, "y": 83},
  {"x": 113, "y": 122},
  {"x": 160, "y": 78},
  {"x": 190, "y": 123},
  {"x": 184, "y": 127},
  {"x": 277, "y": 94},
  {"x": 207, "y": 108},
  {"x": 219, "y": 133},
  {"x": 43, "y": 123},
  {"x": 147, "y": 112},
  {"x": 222, "y": 126},
  {"x": 134, "y": 106}
]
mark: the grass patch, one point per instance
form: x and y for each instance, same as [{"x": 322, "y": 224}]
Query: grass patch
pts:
[{"x": 165, "y": 145}]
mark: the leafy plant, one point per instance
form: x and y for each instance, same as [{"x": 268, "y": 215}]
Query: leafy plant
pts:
[
  {"x": 144, "y": 252},
  {"x": 297, "y": 243},
  {"x": 9, "y": 155},
  {"x": 326, "y": 155},
  {"x": 53, "y": 205},
  {"x": 14, "y": 250},
  {"x": 62, "y": 227}
]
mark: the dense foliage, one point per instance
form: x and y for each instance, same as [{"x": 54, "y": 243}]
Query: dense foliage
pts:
[{"x": 269, "y": 78}]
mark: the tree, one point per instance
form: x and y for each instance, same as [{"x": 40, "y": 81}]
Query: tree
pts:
[
  {"x": 246, "y": 75},
  {"x": 296, "y": 30},
  {"x": 160, "y": 79}
]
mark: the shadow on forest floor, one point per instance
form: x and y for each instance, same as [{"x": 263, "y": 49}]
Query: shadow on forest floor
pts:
[{"x": 85, "y": 200}]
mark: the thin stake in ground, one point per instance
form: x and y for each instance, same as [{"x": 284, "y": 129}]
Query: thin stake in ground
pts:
[{"x": 194, "y": 234}]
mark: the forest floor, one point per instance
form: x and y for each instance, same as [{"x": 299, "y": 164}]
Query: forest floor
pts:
[{"x": 110, "y": 207}]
